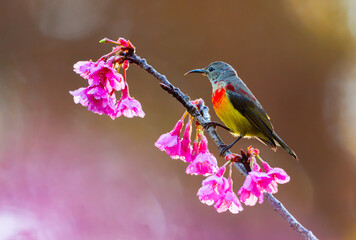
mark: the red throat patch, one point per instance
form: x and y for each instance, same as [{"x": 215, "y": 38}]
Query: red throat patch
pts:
[{"x": 218, "y": 95}]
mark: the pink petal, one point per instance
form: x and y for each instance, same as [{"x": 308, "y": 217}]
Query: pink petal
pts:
[
  {"x": 247, "y": 197},
  {"x": 213, "y": 188},
  {"x": 204, "y": 164},
  {"x": 279, "y": 175},
  {"x": 170, "y": 142},
  {"x": 83, "y": 68},
  {"x": 96, "y": 99},
  {"x": 203, "y": 146},
  {"x": 252, "y": 187},
  {"x": 207, "y": 195},
  {"x": 221, "y": 171},
  {"x": 129, "y": 107},
  {"x": 177, "y": 128},
  {"x": 229, "y": 202},
  {"x": 79, "y": 96},
  {"x": 186, "y": 148},
  {"x": 115, "y": 79}
]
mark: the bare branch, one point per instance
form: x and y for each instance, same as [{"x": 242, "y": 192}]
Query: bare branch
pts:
[
  {"x": 293, "y": 223},
  {"x": 203, "y": 117}
]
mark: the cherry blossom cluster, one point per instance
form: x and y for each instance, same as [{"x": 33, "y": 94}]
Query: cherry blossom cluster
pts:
[
  {"x": 257, "y": 181},
  {"x": 216, "y": 189},
  {"x": 201, "y": 161},
  {"x": 104, "y": 80}
]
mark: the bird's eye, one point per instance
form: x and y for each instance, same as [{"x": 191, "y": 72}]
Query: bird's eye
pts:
[{"x": 211, "y": 69}]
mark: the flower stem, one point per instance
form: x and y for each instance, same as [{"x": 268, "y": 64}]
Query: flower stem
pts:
[
  {"x": 184, "y": 115},
  {"x": 106, "y": 40},
  {"x": 230, "y": 171}
]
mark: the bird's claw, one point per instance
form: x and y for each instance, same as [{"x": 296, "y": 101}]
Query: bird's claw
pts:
[
  {"x": 223, "y": 149},
  {"x": 208, "y": 124},
  {"x": 214, "y": 125}
]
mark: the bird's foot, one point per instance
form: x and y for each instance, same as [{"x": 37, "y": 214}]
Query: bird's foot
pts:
[
  {"x": 224, "y": 148},
  {"x": 214, "y": 124}
]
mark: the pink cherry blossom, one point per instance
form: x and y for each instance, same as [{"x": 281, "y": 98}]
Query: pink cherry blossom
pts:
[
  {"x": 103, "y": 73},
  {"x": 100, "y": 73},
  {"x": 214, "y": 187},
  {"x": 170, "y": 142},
  {"x": 246, "y": 192},
  {"x": 204, "y": 163},
  {"x": 217, "y": 189},
  {"x": 277, "y": 174},
  {"x": 255, "y": 184},
  {"x": 103, "y": 80},
  {"x": 128, "y": 106},
  {"x": 96, "y": 99},
  {"x": 228, "y": 201},
  {"x": 186, "y": 148}
]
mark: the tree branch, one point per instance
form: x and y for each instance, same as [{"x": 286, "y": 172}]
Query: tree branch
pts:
[{"x": 203, "y": 117}]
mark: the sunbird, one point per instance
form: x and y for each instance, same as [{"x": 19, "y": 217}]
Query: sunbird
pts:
[{"x": 238, "y": 108}]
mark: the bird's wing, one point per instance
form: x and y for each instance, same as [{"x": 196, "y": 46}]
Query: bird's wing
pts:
[{"x": 254, "y": 113}]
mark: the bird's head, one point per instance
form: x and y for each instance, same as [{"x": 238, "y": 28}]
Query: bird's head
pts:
[{"x": 216, "y": 72}]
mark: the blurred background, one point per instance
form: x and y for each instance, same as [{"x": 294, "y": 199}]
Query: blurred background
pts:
[{"x": 66, "y": 173}]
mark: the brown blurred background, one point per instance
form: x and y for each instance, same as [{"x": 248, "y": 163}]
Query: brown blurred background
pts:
[{"x": 66, "y": 173}]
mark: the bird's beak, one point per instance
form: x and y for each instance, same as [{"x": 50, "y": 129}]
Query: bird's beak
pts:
[{"x": 202, "y": 71}]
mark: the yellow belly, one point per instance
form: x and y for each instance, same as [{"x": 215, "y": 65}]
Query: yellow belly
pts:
[{"x": 238, "y": 124}]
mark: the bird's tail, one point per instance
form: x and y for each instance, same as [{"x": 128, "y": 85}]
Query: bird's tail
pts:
[{"x": 283, "y": 145}]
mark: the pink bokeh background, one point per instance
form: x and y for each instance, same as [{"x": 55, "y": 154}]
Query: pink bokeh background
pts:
[{"x": 66, "y": 173}]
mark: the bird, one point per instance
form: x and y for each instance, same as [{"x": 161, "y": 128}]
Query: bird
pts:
[{"x": 238, "y": 108}]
